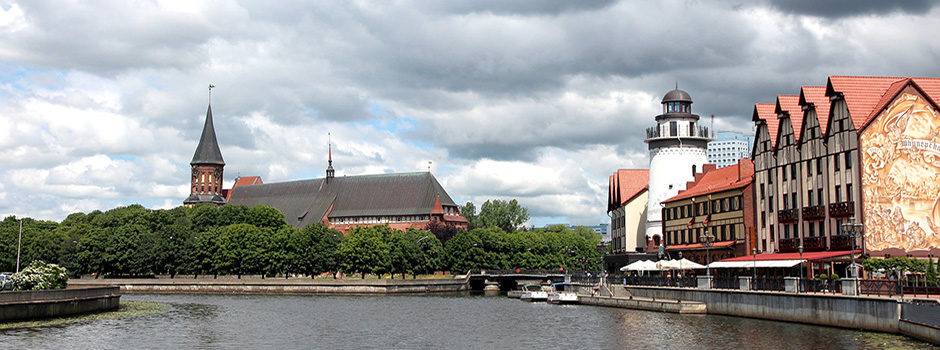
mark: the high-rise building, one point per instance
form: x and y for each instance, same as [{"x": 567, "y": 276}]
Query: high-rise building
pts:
[{"x": 728, "y": 147}]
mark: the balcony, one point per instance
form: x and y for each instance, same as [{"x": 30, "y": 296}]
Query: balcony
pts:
[
  {"x": 841, "y": 209},
  {"x": 656, "y": 132},
  {"x": 786, "y": 216},
  {"x": 841, "y": 242},
  {"x": 814, "y": 212},
  {"x": 816, "y": 243},
  {"x": 788, "y": 245}
]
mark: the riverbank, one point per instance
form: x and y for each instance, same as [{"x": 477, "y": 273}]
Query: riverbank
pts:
[
  {"x": 25, "y": 305},
  {"x": 251, "y": 285}
]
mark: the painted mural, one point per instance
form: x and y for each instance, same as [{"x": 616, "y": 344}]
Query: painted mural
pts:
[{"x": 901, "y": 176}]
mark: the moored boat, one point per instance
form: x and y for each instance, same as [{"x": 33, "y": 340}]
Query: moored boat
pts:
[
  {"x": 533, "y": 292},
  {"x": 563, "y": 293}
]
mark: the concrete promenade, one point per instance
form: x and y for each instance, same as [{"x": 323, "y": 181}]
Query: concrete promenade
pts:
[
  {"x": 257, "y": 285},
  {"x": 23, "y": 305}
]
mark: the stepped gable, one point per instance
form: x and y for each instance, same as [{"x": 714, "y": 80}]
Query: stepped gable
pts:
[
  {"x": 816, "y": 95},
  {"x": 718, "y": 180}
]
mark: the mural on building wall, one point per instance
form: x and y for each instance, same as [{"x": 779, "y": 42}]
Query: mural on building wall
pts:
[{"x": 901, "y": 177}]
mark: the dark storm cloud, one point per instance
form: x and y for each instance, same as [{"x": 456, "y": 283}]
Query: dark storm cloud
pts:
[
  {"x": 850, "y": 8},
  {"x": 519, "y": 7}
]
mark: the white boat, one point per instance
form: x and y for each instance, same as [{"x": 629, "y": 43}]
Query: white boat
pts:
[
  {"x": 563, "y": 293},
  {"x": 533, "y": 292}
]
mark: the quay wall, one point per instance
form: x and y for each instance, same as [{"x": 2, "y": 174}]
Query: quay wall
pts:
[
  {"x": 279, "y": 286},
  {"x": 867, "y": 313},
  {"x": 23, "y": 305}
]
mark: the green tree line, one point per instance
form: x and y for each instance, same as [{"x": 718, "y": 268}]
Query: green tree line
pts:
[{"x": 238, "y": 240}]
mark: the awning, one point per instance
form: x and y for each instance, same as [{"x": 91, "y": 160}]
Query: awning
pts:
[
  {"x": 716, "y": 245},
  {"x": 751, "y": 264}
]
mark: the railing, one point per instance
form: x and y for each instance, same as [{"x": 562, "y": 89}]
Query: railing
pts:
[
  {"x": 660, "y": 281},
  {"x": 657, "y": 132},
  {"x": 821, "y": 286},
  {"x": 814, "y": 212},
  {"x": 840, "y": 242},
  {"x": 814, "y": 243},
  {"x": 726, "y": 283},
  {"x": 785, "y": 216},
  {"x": 789, "y": 244},
  {"x": 774, "y": 284},
  {"x": 841, "y": 209},
  {"x": 879, "y": 287},
  {"x": 918, "y": 285}
]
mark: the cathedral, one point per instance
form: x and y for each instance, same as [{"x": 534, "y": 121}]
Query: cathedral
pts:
[{"x": 399, "y": 200}]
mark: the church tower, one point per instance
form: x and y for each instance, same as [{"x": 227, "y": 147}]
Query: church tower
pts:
[
  {"x": 207, "y": 164},
  {"x": 330, "y": 173},
  {"x": 677, "y": 147}
]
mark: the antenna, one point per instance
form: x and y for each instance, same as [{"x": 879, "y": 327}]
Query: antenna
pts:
[
  {"x": 713, "y": 126},
  {"x": 429, "y": 166},
  {"x": 210, "y": 93}
]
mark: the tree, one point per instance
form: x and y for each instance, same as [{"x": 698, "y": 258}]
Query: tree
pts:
[
  {"x": 316, "y": 249},
  {"x": 265, "y": 216},
  {"x": 469, "y": 212},
  {"x": 364, "y": 250},
  {"x": 508, "y": 216},
  {"x": 242, "y": 249}
]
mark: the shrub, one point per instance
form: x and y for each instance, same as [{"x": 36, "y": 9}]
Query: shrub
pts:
[
  {"x": 834, "y": 277},
  {"x": 824, "y": 277},
  {"x": 40, "y": 276}
]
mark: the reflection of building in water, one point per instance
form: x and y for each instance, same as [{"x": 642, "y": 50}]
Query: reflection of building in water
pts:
[{"x": 863, "y": 147}]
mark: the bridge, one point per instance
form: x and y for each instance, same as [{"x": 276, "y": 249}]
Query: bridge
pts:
[{"x": 505, "y": 280}]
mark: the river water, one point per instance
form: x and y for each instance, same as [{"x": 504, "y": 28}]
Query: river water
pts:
[{"x": 426, "y": 322}]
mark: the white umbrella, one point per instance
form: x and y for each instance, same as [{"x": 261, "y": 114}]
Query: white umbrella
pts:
[
  {"x": 667, "y": 265},
  {"x": 687, "y": 264},
  {"x": 640, "y": 265}
]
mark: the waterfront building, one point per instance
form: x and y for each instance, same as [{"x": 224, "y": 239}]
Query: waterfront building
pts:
[
  {"x": 399, "y": 200},
  {"x": 207, "y": 165},
  {"x": 862, "y": 148},
  {"x": 713, "y": 216},
  {"x": 627, "y": 198},
  {"x": 677, "y": 151},
  {"x": 728, "y": 147}
]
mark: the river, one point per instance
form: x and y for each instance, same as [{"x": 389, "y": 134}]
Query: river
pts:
[{"x": 426, "y": 322}]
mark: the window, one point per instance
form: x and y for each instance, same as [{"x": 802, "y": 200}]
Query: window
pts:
[
  {"x": 771, "y": 203},
  {"x": 822, "y": 228},
  {"x": 763, "y": 220},
  {"x": 838, "y": 193},
  {"x": 809, "y": 168},
  {"x": 786, "y": 231},
  {"x": 835, "y": 162},
  {"x": 812, "y": 230},
  {"x": 770, "y": 176},
  {"x": 819, "y": 197},
  {"x": 818, "y": 166},
  {"x": 848, "y": 192},
  {"x": 848, "y": 160},
  {"x": 772, "y": 236},
  {"x": 761, "y": 191},
  {"x": 673, "y": 129},
  {"x": 809, "y": 197},
  {"x": 784, "y": 173},
  {"x": 724, "y": 204},
  {"x": 786, "y": 202},
  {"x": 793, "y": 200},
  {"x": 792, "y": 171}
]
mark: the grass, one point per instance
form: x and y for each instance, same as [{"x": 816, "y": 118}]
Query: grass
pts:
[{"x": 127, "y": 309}]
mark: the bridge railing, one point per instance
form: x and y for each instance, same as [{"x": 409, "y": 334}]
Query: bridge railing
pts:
[{"x": 517, "y": 272}]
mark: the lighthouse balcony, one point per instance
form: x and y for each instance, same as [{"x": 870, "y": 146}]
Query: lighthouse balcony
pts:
[{"x": 664, "y": 131}]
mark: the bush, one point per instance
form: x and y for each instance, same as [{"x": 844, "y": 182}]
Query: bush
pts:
[
  {"x": 40, "y": 276},
  {"x": 834, "y": 277},
  {"x": 824, "y": 277}
]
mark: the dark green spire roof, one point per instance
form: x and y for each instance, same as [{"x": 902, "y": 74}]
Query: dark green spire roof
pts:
[{"x": 207, "y": 152}]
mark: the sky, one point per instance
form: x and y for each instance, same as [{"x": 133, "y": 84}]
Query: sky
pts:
[{"x": 102, "y": 102}]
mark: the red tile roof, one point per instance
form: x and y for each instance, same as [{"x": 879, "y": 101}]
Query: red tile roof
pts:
[
  {"x": 625, "y": 184},
  {"x": 247, "y": 180},
  {"x": 790, "y": 104},
  {"x": 861, "y": 94},
  {"x": 719, "y": 180},
  {"x": 817, "y": 96},
  {"x": 765, "y": 112},
  {"x": 930, "y": 87},
  {"x": 791, "y": 256}
]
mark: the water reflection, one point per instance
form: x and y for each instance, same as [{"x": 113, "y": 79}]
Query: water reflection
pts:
[{"x": 422, "y": 322}]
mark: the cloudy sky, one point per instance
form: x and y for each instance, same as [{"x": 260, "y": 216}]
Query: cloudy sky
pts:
[{"x": 102, "y": 102}]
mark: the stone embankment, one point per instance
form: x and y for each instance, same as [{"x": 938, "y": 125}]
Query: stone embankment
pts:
[
  {"x": 255, "y": 285},
  {"x": 23, "y": 305}
]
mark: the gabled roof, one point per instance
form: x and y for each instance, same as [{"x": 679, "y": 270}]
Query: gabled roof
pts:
[
  {"x": 789, "y": 105},
  {"x": 242, "y": 181},
  {"x": 765, "y": 112},
  {"x": 207, "y": 151},
  {"x": 929, "y": 87},
  {"x": 816, "y": 95},
  {"x": 720, "y": 180},
  {"x": 305, "y": 202},
  {"x": 861, "y": 94},
  {"x": 626, "y": 184}
]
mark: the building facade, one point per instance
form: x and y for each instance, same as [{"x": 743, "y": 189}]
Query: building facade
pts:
[
  {"x": 728, "y": 147},
  {"x": 860, "y": 150},
  {"x": 677, "y": 147},
  {"x": 627, "y": 198},
  {"x": 714, "y": 216}
]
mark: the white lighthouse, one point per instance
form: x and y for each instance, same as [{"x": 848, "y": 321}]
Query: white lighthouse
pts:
[{"x": 677, "y": 150}]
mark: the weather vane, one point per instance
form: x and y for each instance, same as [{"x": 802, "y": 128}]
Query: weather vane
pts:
[
  {"x": 429, "y": 166},
  {"x": 210, "y": 93}
]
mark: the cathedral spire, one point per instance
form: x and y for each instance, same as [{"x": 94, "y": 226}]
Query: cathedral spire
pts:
[
  {"x": 330, "y": 173},
  {"x": 207, "y": 167},
  {"x": 207, "y": 151}
]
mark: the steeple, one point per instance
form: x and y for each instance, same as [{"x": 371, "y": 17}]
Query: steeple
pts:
[
  {"x": 207, "y": 165},
  {"x": 330, "y": 173}
]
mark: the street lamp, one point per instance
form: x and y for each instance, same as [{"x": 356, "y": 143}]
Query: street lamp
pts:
[
  {"x": 706, "y": 240},
  {"x": 800, "y": 249},
  {"x": 755, "y": 264},
  {"x": 853, "y": 229}
]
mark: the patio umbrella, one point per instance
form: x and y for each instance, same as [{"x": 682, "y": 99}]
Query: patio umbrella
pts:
[
  {"x": 687, "y": 264},
  {"x": 640, "y": 265}
]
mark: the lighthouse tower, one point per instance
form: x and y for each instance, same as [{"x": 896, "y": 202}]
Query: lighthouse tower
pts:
[{"x": 677, "y": 150}]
